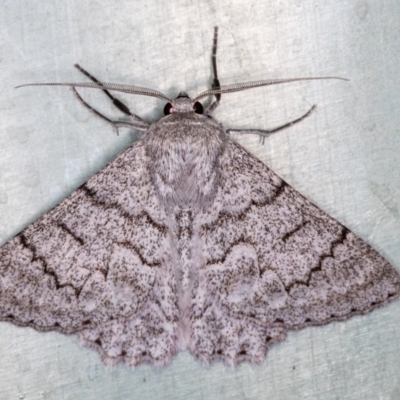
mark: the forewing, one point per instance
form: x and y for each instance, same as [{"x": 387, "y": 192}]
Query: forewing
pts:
[
  {"x": 98, "y": 264},
  {"x": 272, "y": 261}
]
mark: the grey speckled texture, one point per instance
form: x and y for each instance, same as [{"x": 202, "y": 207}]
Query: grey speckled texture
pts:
[{"x": 344, "y": 158}]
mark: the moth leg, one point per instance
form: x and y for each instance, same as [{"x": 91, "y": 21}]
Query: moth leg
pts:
[
  {"x": 265, "y": 133},
  {"x": 215, "y": 83},
  {"x": 139, "y": 123},
  {"x": 116, "y": 124}
]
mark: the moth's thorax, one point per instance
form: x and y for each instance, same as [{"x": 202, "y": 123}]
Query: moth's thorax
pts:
[{"x": 183, "y": 150}]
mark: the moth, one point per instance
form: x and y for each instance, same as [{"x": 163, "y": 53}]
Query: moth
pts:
[{"x": 187, "y": 241}]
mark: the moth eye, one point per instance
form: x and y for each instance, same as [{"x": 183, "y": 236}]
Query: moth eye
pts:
[
  {"x": 168, "y": 109},
  {"x": 198, "y": 108}
]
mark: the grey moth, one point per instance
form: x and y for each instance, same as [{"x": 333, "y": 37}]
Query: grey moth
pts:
[{"x": 187, "y": 241}]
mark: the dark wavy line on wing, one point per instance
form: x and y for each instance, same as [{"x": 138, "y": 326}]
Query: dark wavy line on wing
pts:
[
  {"x": 92, "y": 194},
  {"x": 223, "y": 215}
]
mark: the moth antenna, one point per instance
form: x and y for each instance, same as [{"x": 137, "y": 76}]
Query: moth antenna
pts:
[
  {"x": 237, "y": 87},
  {"x": 108, "y": 86}
]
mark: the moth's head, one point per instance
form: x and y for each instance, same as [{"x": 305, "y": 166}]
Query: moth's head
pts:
[{"x": 183, "y": 104}]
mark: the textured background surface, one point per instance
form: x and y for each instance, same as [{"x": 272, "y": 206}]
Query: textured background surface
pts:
[{"x": 344, "y": 158}]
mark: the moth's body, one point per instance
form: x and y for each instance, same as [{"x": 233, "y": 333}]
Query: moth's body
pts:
[
  {"x": 183, "y": 150},
  {"x": 187, "y": 241}
]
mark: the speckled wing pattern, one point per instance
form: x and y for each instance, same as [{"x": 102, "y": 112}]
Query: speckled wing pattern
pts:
[
  {"x": 139, "y": 281},
  {"x": 274, "y": 262},
  {"x": 98, "y": 264}
]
